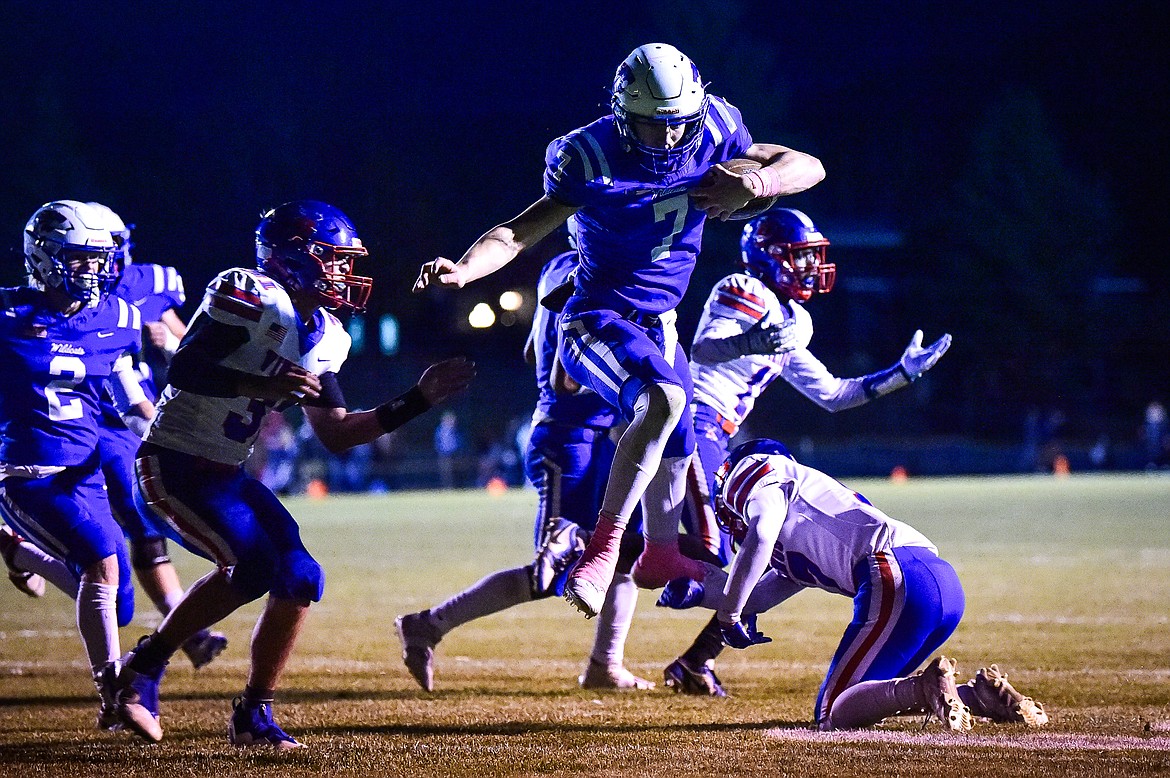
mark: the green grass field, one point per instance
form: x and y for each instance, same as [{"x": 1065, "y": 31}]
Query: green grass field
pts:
[{"x": 1068, "y": 587}]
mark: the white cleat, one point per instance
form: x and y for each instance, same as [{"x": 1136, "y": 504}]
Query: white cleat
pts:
[{"x": 599, "y": 676}]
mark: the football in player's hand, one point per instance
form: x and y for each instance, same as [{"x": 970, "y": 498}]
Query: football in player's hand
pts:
[{"x": 754, "y": 207}]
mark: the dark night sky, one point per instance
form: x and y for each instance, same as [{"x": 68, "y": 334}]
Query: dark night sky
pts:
[{"x": 426, "y": 122}]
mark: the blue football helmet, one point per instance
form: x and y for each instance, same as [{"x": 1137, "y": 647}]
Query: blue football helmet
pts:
[
  {"x": 67, "y": 247},
  {"x": 309, "y": 247},
  {"x": 120, "y": 232},
  {"x": 729, "y": 521},
  {"x": 784, "y": 249},
  {"x": 659, "y": 85}
]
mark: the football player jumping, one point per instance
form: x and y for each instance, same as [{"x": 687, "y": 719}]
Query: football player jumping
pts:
[
  {"x": 631, "y": 178},
  {"x": 733, "y": 360},
  {"x": 263, "y": 339},
  {"x": 798, "y": 528},
  {"x": 59, "y": 342}
]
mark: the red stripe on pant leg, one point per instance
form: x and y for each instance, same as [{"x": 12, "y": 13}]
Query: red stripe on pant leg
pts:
[
  {"x": 887, "y": 606},
  {"x": 156, "y": 496}
]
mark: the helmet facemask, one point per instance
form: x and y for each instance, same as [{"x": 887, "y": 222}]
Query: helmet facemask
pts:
[
  {"x": 65, "y": 249},
  {"x": 310, "y": 248},
  {"x": 659, "y": 89}
]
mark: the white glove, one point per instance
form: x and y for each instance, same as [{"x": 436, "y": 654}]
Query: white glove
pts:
[{"x": 916, "y": 360}]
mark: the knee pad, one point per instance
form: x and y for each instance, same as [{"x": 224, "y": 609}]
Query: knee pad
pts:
[
  {"x": 299, "y": 577},
  {"x": 148, "y": 553}
]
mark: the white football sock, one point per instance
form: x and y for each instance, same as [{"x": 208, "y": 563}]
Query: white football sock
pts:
[
  {"x": 28, "y": 557},
  {"x": 639, "y": 452},
  {"x": 494, "y": 593},
  {"x": 867, "y": 703},
  {"x": 662, "y": 503},
  {"x": 613, "y": 622},
  {"x": 97, "y": 621}
]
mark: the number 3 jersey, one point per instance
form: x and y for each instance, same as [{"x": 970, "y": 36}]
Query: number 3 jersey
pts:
[
  {"x": 52, "y": 372},
  {"x": 823, "y": 529},
  {"x": 224, "y": 429}
]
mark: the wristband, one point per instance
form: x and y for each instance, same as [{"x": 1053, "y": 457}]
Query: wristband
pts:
[
  {"x": 764, "y": 182},
  {"x": 885, "y": 381},
  {"x": 393, "y": 414}
]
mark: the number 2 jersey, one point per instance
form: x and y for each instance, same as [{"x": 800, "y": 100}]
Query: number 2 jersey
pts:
[
  {"x": 824, "y": 530},
  {"x": 224, "y": 429},
  {"x": 53, "y": 370},
  {"x": 637, "y": 231}
]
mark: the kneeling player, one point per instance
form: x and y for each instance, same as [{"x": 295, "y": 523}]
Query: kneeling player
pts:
[{"x": 814, "y": 532}]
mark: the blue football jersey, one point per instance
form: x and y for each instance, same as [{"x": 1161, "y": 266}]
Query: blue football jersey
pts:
[
  {"x": 155, "y": 289},
  {"x": 637, "y": 231},
  {"x": 54, "y": 370},
  {"x": 586, "y": 409}
]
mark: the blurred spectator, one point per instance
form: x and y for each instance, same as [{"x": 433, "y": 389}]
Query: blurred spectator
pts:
[
  {"x": 1154, "y": 437},
  {"x": 448, "y": 443},
  {"x": 274, "y": 460},
  {"x": 349, "y": 471}
]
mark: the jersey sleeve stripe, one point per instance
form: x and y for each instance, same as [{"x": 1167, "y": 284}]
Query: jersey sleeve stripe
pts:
[
  {"x": 227, "y": 288},
  {"x": 602, "y": 162},
  {"x": 739, "y": 305},
  {"x": 235, "y": 307},
  {"x": 739, "y": 291},
  {"x": 123, "y": 313},
  {"x": 159, "y": 279}
]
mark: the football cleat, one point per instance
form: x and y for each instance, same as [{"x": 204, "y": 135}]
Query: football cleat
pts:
[
  {"x": 589, "y": 581},
  {"x": 30, "y": 583},
  {"x": 204, "y": 647},
  {"x": 105, "y": 681},
  {"x": 990, "y": 696},
  {"x": 253, "y": 725},
  {"x": 560, "y": 551},
  {"x": 137, "y": 699},
  {"x": 936, "y": 685},
  {"x": 701, "y": 681},
  {"x": 618, "y": 678},
  {"x": 419, "y": 638}
]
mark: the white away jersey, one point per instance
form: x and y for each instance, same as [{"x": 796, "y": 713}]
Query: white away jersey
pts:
[
  {"x": 736, "y": 304},
  {"x": 223, "y": 429},
  {"x": 824, "y": 528},
  {"x": 731, "y": 386}
]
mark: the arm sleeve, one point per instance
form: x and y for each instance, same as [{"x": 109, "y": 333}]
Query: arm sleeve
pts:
[
  {"x": 196, "y": 367},
  {"x": 765, "y": 512}
]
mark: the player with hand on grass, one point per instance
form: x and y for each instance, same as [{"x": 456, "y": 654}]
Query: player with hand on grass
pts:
[
  {"x": 798, "y": 528},
  {"x": 263, "y": 339},
  {"x": 736, "y": 356},
  {"x": 631, "y": 179}
]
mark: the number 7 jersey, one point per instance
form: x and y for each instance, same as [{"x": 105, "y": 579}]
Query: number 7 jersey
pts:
[{"x": 224, "y": 429}]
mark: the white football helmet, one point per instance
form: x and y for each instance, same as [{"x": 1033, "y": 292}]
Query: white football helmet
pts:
[
  {"x": 120, "y": 232},
  {"x": 659, "y": 84},
  {"x": 64, "y": 226}
]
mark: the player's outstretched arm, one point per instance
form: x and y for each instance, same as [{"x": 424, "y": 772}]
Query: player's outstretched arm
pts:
[
  {"x": 496, "y": 247},
  {"x": 339, "y": 430}
]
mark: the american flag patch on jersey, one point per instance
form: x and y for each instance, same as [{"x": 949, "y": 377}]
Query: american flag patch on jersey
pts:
[
  {"x": 276, "y": 332},
  {"x": 740, "y": 299}
]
